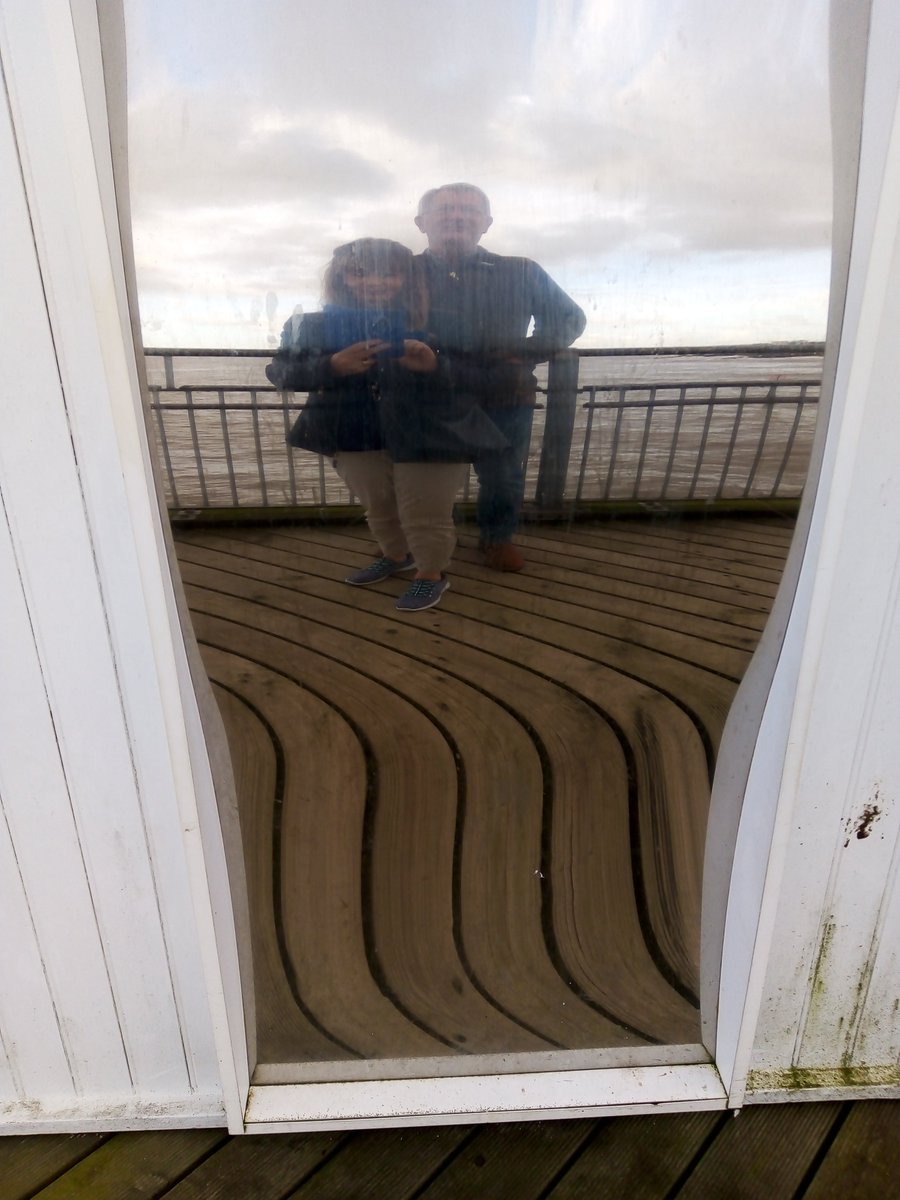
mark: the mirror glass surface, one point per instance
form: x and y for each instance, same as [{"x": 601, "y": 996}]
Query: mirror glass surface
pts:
[{"x": 475, "y": 833}]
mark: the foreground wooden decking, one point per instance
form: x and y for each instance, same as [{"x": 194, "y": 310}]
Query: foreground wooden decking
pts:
[
  {"x": 478, "y": 829},
  {"x": 783, "y": 1152}
]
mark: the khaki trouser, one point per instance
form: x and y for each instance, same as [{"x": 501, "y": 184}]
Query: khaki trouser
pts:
[{"x": 409, "y": 506}]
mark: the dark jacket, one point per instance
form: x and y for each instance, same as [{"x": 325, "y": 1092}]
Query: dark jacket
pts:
[
  {"x": 480, "y": 312},
  {"x": 414, "y": 416}
]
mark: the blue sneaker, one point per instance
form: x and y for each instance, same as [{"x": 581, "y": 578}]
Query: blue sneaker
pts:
[
  {"x": 423, "y": 593},
  {"x": 381, "y": 568}
]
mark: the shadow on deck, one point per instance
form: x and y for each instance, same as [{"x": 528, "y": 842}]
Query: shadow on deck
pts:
[{"x": 478, "y": 830}]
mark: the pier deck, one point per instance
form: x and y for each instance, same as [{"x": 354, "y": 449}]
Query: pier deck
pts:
[
  {"x": 779, "y": 1152},
  {"x": 478, "y": 830}
]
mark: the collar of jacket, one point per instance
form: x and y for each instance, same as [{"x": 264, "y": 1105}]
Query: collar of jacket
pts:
[{"x": 481, "y": 258}]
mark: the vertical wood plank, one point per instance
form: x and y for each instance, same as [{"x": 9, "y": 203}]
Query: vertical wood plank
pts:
[
  {"x": 95, "y": 809},
  {"x": 28, "y": 1164},
  {"x": 864, "y": 1160},
  {"x": 762, "y": 1151},
  {"x": 641, "y": 1158},
  {"x": 134, "y": 1166},
  {"x": 518, "y": 1159},
  {"x": 36, "y": 798},
  {"x": 385, "y": 1162},
  {"x": 264, "y": 1167}
]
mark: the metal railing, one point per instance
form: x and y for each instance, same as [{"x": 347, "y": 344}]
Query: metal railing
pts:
[{"x": 220, "y": 436}]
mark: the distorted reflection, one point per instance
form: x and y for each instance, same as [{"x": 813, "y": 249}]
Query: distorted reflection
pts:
[
  {"x": 479, "y": 832},
  {"x": 380, "y": 408},
  {"x": 481, "y": 307},
  {"x": 417, "y": 367}
]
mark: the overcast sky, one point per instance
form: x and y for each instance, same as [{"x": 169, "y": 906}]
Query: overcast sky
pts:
[{"x": 667, "y": 161}]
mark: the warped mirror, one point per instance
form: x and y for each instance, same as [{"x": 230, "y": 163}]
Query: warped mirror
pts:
[{"x": 473, "y": 829}]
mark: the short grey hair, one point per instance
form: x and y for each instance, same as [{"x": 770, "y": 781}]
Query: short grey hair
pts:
[{"x": 425, "y": 202}]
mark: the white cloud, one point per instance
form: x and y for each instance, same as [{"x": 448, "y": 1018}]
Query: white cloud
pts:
[{"x": 678, "y": 130}]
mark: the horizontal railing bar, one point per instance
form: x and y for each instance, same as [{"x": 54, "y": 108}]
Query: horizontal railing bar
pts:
[
  {"x": 773, "y": 401},
  {"x": 749, "y": 350},
  {"x": 714, "y": 401},
  {"x": 587, "y": 388},
  {"x": 695, "y": 385},
  {"x": 211, "y": 406},
  {"x": 655, "y": 402}
]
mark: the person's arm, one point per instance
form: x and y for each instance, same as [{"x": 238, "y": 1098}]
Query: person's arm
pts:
[
  {"x": 300, "y": 365},
  {"x": 558, "y": 320}
]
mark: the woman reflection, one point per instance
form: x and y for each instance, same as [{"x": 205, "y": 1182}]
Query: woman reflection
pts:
[{"x": 384, "y": 404}]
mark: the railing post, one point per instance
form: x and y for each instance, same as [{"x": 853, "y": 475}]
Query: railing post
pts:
[{"x": 559, "y": 426}]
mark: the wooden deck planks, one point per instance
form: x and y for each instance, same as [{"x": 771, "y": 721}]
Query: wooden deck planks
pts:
[
  {"x": 771, "y": 1152},
  {"x": 410, "y": 905},
  {"x": 412, "y": 874},
  {"x": 396, "y": 1163},
  {"x": 573, "y": 585},
  {"x": 763, "y": 1151},
  {"x": 564, "y": 626},
  {"x": 572, "y": 745},
  {"x": 134, "y": 1166},
  {"x": 299, "y": 1014},
  {"x": 264, "y": 1168},
  {"x": 28, "y": 1164},
  {"x": 863, "y": 1161},
  {"x": 641, "y": 1158},
  {"x": 492, "y": 815},
  {"x": 520, "y": 1159}
]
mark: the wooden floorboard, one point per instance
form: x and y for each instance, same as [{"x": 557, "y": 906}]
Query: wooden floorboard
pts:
[
  {"x": 811, "y": 1151},
  {"x": 761, "y": 1152},
  {"x": 518, "y": 1159},
  {"x": 391, "y": 1162},
  {"x": 135, "y": 1166},
  {"x": 864, "y": 1158},
  {"x": 479, "y": 829},
  {"x": 641, "y": 1158},
  {"x": 31, "y": 1163}
]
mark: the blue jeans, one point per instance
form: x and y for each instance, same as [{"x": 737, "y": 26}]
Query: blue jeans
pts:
[{"x": 501, "y": 477}]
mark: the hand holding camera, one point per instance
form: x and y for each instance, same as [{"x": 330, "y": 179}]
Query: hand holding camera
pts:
[
  {"x": 358, "y": 358},
  {"x": 417, "y": 356}
]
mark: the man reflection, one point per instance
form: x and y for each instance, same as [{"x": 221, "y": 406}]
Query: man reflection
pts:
[{"x": 481, "y": 306}]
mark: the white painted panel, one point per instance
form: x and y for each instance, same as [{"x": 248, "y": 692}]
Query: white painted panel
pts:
[
  {"x": 878, "y": 1026},
  {"x": 821, "y": 1021},
  {"x": 57, "y": 564},
  {"x": 847, "y": 815},
  {"x": 90, "y": 556},
  {"x": 10, "y": 1089},
  {"x": 34, "y": 1059},
  {"x": 35, "y": 793},
  {"x": 750, "y": 816}
]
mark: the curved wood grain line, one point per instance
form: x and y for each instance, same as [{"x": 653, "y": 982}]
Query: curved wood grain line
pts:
[
  {"x": 592, "y": 1001},
  {"x": 544, "y": 1040}
]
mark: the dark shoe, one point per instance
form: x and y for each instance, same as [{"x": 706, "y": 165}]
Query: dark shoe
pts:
[
  {"x": 381, "y": 568},
  {"x": 505, "y": 557},
  {"x": 423, "y": 593}
]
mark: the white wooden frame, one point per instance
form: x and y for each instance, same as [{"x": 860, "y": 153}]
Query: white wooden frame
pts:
[
  {"x": 130, "y": 1014},
  {"x": 820, "y": 838}
]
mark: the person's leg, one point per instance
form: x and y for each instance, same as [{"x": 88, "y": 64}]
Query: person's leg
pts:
[
  {"x": 425, "y": 495},
  {"x": 501, "y": 486},
  {"x": 370, "y": 475}
]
